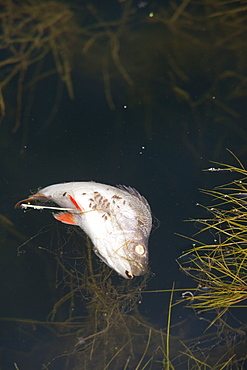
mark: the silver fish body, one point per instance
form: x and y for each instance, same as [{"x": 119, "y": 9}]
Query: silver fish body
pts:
[{"x": 117, "y": 219}]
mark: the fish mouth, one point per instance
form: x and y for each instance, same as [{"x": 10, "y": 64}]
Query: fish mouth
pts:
[
  {"x": 129, "y": 275},
  {"x": 137, "y": 269},
  {"x": 135, "y": 264}
]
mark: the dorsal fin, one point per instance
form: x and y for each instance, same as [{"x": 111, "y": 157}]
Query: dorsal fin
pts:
[{"x": 134, "y": 192}]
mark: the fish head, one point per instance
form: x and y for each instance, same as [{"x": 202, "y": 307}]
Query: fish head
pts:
[
  {"x": 137, "y": 256},
  {"x": 131, "y": 259}
]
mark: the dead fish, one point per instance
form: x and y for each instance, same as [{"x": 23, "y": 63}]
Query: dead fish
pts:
[{"x": 118, "y": 220}]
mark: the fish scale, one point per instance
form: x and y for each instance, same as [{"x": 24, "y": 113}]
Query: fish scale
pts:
[{"x": 117, "y": 219}]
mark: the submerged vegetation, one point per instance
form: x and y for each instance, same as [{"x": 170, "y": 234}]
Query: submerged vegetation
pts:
[
  {"x": 35, "y": 45},
  {"x": 193, "y": 52}
]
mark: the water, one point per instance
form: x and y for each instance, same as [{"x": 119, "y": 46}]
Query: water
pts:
[{"x": 154, "y": 140}]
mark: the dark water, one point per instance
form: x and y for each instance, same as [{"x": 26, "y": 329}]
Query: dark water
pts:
[{"x": 159, "y": 146}]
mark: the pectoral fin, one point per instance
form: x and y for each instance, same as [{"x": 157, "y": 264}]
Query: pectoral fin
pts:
[{"x": 66, "y": 218}]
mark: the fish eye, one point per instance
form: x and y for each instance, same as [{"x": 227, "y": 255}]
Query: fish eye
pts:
[{"x": 139, "y": 249}]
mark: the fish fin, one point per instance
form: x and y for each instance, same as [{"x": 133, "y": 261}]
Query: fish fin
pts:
[
  {"x": 75, "y": 203},
  {"x": 66, "y": 218},
  {"x": 18, "y": 205},
  {"x": 135, "y": 193},
  {"x": 37, "y": 196}
]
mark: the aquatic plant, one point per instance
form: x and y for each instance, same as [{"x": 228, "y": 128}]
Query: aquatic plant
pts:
[
  {"x": 37, "y": 41},
  {"x": 34, "y": 44},
  {"x": 96, "y": 322},
  {"x": 109, "y": 330},
  {"x": 220, "y": 268}
]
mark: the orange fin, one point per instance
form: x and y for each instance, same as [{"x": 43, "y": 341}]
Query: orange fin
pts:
[
  {"x": 75, "y": 203},
  {"x": 65, "y": 217}
]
